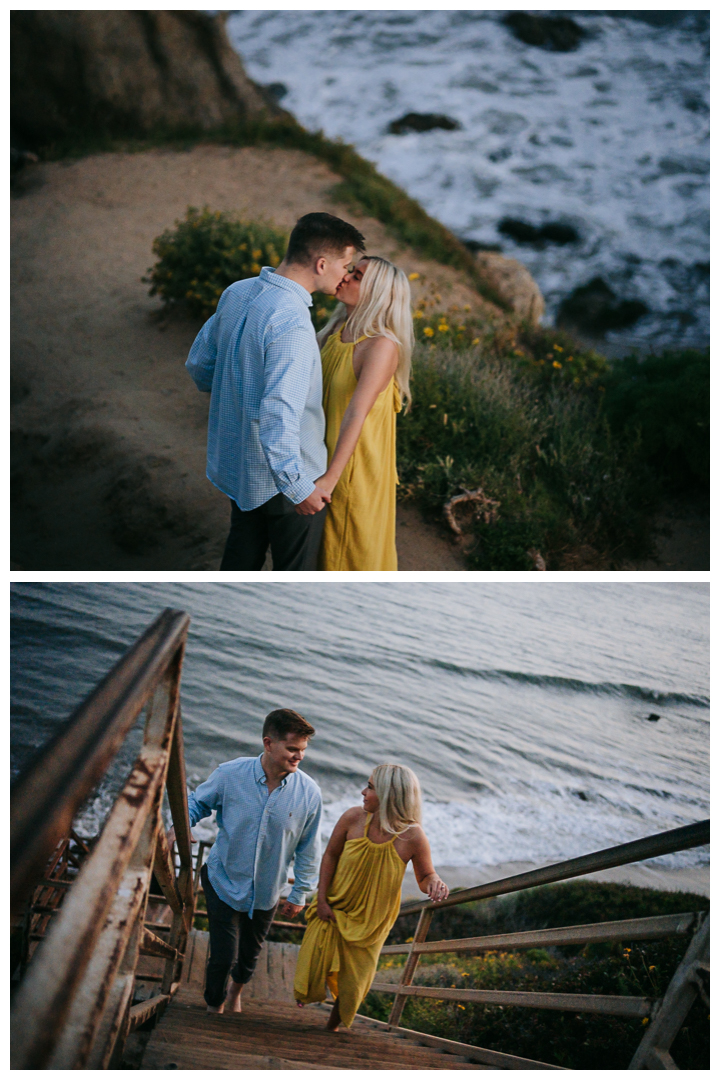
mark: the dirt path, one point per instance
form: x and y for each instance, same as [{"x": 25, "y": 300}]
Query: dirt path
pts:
[{"x": 108, "y": 430}]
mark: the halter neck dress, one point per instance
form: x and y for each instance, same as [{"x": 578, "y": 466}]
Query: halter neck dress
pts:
[
  {"x": 365, "y": 898},
  {"x": 359, "y": 531}
]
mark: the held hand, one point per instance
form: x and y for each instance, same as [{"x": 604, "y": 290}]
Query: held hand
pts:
[
  {"x": 289, "y": 910},
  {"x": 315, "y": 501},
  {"x": 437, "y": 889},
  {"x": 325, "y": 912}
]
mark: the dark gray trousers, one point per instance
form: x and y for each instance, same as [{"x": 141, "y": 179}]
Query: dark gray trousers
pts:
[
  {"x": 235, "y": 942},
  {"x": 293, "y": 539}
]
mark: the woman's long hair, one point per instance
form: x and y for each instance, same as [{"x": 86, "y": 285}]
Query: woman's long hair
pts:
[
  {"x": 398, "y": 790},
  {"x": 383, "y": 310}
]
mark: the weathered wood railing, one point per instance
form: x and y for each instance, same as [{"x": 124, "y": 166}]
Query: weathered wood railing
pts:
[
  {"x": 665, "y": 1016},
  {"x": 73, "y": 1008}
]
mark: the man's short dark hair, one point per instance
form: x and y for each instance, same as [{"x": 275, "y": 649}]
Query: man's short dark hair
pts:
[
  {"x": 283, "y": 722},
  {"x": 321, "y": 234}
]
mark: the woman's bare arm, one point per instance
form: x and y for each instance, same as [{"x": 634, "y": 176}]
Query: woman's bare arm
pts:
[
  {"x": 333, "y": 851},
  {"x": 428, "y": 881},
  {"x": 379, "y": 362}
]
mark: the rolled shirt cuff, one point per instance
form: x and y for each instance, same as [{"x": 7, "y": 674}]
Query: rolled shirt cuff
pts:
[
  {"x": 298, "y": 491},
  {"x": 295, "y": 897}
]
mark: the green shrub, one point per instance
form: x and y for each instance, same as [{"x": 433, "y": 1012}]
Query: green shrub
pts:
[
  {"x": 206, "y": 252},
  {"x": 542, "y": 449},
  {"x": 667, "y": 399}
]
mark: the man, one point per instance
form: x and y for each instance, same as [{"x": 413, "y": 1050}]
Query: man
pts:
[
  {"x": 268, "y": 813},
  {"x": 260, "y": 361}
]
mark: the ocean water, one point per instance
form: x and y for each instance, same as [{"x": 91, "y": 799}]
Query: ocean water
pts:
[
  {"x": 522, "y": 708},
  {"x": 612, "y": 139}
]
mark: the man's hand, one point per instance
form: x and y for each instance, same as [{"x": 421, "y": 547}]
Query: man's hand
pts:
[
  {"x": 289, "y": 910},
  {"x": 325, "y": 912},
  {"x": 315, "y": 501}
]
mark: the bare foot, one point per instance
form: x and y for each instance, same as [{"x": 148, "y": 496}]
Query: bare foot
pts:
[
  {"x": 232, "y": 997},
  {"x": 216, "y": 1008},
  {"x": 334, "y": 1019}
]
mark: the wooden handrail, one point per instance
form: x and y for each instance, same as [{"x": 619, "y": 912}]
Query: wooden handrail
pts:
[
  {"x": 73, "y": 1006},
  {"x": 45, "y": 798},
  {"x": 649, "y": 847},
  {"x": 656, "y": 926},
  {"x": 608, "y": 1004}
]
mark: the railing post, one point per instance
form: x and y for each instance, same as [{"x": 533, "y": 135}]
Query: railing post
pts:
[
  {"x": 654, "y": 1050},
  {"x": 177, "y": 797},
  {"x": 410, "y": 964}
]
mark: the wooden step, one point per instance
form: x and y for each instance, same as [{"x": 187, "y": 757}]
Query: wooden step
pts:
[{"x": 188, "y": 1037}]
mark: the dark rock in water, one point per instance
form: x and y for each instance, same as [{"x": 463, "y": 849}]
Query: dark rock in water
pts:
[
  {"x": 422, "y": 122},
  {"x": 595, "y": 309},
  {"x": 653, "y": 716},
  {"x": 554, "y": 32},
  {"x": 478, "y": 245},
  {"x": 82, "y": 75},
  {"x": 276, "y": 91},
  {"x": 551, "y": 233}
]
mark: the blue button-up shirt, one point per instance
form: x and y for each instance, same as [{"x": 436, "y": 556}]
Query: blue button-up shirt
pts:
[
  {"x": 259, "y": 834},
  {"x": 258, "y": 357}
]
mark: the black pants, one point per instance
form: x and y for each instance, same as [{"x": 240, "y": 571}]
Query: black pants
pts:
[
  {"x": 235, "y": 942},
  {"x": 294, "y": 539}
]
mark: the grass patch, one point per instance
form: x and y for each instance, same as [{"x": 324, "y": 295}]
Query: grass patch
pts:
[
  {"x": 575, "y": 1041},
  {"x": 667, "y": 399},
  {"x": 536, "y": 443}
]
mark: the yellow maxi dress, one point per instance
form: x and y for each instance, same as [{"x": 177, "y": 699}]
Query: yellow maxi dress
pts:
[
  {"x": 359, "y": 531},
  {"x": 365, "y": 897}
]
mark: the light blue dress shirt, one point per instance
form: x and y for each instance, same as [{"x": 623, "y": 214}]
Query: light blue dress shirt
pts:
[
  {"x": 258, "y": 357},
  {"x": 260, "y": 833}
]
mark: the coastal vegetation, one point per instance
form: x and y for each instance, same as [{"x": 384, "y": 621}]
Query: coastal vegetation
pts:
[
  {"x": 573, "y": 1041},
  {"x": 573, "y": 453}
]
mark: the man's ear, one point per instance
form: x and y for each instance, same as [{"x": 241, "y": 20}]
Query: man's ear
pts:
[
  {"x": 267, "y": 742},
  {"x": 320, "y": 265}
]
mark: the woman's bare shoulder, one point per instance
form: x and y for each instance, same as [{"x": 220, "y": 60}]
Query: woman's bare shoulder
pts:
[
  {"x": 352, "y": 816},
  {"x": 413, "y": 834}
]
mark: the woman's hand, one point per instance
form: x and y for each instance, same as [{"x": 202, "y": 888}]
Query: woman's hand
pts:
[
  {"x": 435, "y": 888},
  {"x": 325, "y": 912}
]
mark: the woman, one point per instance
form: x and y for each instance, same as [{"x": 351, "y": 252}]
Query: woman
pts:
[
  {"x": 359, "y": 891},
  {"x": 366, "y": 352}
]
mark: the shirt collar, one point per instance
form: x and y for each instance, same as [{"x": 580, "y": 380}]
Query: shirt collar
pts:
[
  {"x": 268, "y": 275},
  {"x": 260, "y": 776}
]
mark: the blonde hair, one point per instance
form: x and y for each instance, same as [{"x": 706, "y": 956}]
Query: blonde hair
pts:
[
  {"x": 398, "y": 790},
  {"x": 383, "y": 310}
]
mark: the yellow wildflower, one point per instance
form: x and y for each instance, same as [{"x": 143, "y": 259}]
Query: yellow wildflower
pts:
[
  {"x": 443, "y": 327},
  {"x": 255, "y": 267},
  {"x": 257, "y": 254},
  {"x": 476, "y": 341},
  {"x": 651, "y": 968},
  {"x": 429, "y": 332},
  {"x": 408, "y": 940},
  {"x": 414, "y": 276},
  {"x": 645, "y": 1020},
  {"x": 418, "y": 315},
  {"x": 568, "y": 359},
  {"x": 461, "y": 327},
  {"x": 557, "y": 364},
  {"x": 460, "y": 1006},
  {"x": 466, "y": 308},
  {"x": 558, "y": 348}
]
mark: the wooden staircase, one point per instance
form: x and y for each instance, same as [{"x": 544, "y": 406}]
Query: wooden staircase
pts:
[
  {"x": 271, "y": 1032},
  {"x": 272, "y": 1035}
]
